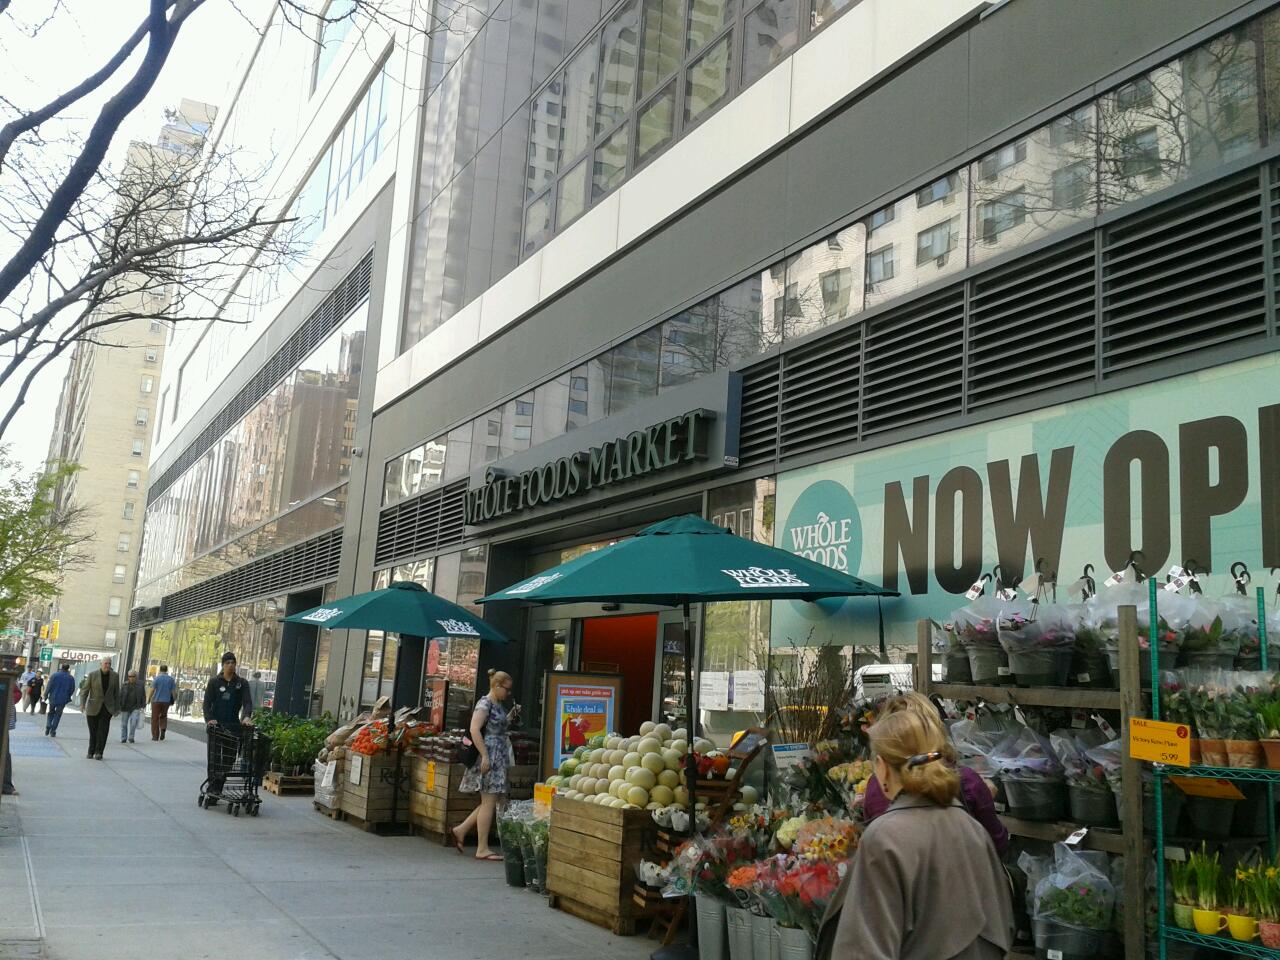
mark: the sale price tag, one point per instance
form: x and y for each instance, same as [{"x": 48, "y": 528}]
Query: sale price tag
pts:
[
  {"x": 1208, "y": 787},
  {"x": 1160, "y": 742}
]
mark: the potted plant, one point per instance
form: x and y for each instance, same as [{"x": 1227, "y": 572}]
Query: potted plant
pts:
[
  {"x": 1268, "y": 711},
  {"x": 1089, "y": 666},
  {"x": 1089, "y": 793},
  {"x": 988, "y": 663},
  {"x": 1242, "y": 921},
  {"x": 1039, "y": 649},
  {"x": 1183, "y": 879},
  {"x": 511, "y": 833},
  {"x": 1205, "y": 643},
  {"x": 1175, "y": 703},
  {"x": 1266, "y": 894},
  {"x": 1072, "y": 919},
  {"x": 1206, "y": 917},
  {"x": 955, "y": 659},
  {"x": 1210, "y": 707},
  {"x": 1032, "y": 776},
  {"x": 1240, "y": 728}
]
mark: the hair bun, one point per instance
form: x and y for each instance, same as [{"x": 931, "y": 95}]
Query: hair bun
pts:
[{"x": 492, "y": 671}]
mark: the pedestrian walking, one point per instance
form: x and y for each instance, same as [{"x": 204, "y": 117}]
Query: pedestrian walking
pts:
[
  {"x": 926, "y": 882},
  {"x": 34, "y": 688},
  {"x": 133, "y": 697},
  {"x": 488, "y": 775},
  {"x": 227, "y": 705},
  {"x": 161, "y": 696},
  {"x": 62, "y": 687},
  {"x": 100, "y": 701},
  {"x": 11, "y": 710}
]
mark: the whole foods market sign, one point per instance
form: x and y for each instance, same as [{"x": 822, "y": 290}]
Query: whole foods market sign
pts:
[
  {"x": 1184, "y": 469},
  {"x": 655, "y": 449}
]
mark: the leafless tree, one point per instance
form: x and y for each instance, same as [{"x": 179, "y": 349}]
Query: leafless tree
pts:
[{"x": 170, "y": 235}]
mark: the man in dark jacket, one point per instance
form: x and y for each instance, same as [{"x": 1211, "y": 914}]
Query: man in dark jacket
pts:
[
  {"x": 133, "y": 696},
  {"x": 227, "y": 705},
  {"x": 100, "y": 701},
  {"x": 62, "y": 687}
]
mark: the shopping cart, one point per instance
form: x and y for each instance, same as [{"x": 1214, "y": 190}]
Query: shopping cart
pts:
[{"x": 237, "y": 761}]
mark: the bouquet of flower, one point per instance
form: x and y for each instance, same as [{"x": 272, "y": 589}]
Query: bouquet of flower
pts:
[
  {"x": 788, "y": 830},
  {"x": 851, "y": 780},
  {"x": 827, "y": 839},
  {"x": 796, "y": 892},
  {"x": 703, "y": 864},
  {"x": 756, "y": 825},
  {"x": 741, "y": 883},
  {"x": 807, "y": 783}
]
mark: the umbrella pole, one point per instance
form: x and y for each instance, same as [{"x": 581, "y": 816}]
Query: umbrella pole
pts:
[
  {"x": 691, "y": 763},
  {"x": 391, "y": 723}
]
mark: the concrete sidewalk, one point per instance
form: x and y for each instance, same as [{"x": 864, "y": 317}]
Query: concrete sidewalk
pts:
[{"x": 113, "y": 860}]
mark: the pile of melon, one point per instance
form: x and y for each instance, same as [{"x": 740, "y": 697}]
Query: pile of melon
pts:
[{"x": 640, "y": 772}]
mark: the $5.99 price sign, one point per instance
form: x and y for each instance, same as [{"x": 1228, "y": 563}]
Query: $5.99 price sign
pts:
[{"x": 1160, "y": 742}]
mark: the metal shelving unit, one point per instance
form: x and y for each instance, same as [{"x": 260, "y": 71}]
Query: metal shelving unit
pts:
[
  {"x": 1128, "y": 701},
  {"x": 1165, "y": 931}
]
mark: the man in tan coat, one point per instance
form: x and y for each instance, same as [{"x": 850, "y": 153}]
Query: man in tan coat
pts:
[{"x": 100, "y": 701}]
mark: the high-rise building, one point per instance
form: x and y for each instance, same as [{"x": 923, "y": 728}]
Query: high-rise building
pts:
[
  {"x": 960, "y": 284},
  {"x": 105, "y": 415}
]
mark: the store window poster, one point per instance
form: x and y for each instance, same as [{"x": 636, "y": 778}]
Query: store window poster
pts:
[
  {"x": 579, "y": 706},
  {"x": 1184, "y": 468}
]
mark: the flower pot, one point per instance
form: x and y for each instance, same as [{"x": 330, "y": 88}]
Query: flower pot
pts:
[
  {"x": 1213, "y": 752},
  {"x": 1243, "y": 754},
  {"x": 1208, "y": 923},
  {"x": 1196, "y": 757},
  {"x": 1242, "y": 928},
  {"x": 1059, "y": 940},
  {"x": 1045, "y": 667},
  {"x": 794, "y": 944},
  {"x": 985, "y": 664},
  {"x": 1042, "y": 800},
  {"x": 764, "y": 938},
  {"x": 532, "y": 874},
  {"x": 1249, "y": 816},
  {"x": 1174, "y": 800},
  {"x": 1210, "y": 659},
  {"x": 1182, "y": 916},
  {"x": 1091, "y": 669},
  {"x": 738, "y": 922},
  {"x": 1209, "y": 818},
  {"x": 513, "y": 863},
  {"x": 1253, "y": 661},
  {"x": 712, "y": 942},
  {"x": 1269, "y": 931},
  {"x": 1271, "y": 753},
  {"x": 1094, "y": 808},
  {"x": 956, "y": 667}
]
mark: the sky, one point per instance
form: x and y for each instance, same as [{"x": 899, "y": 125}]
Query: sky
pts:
[{"x": 81, "y": 36}]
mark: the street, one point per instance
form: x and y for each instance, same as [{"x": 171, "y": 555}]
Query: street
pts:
[{"x": 113, "y": 860}]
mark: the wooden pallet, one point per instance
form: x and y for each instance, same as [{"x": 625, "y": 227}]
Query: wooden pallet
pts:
[
  {"x": 333, "y": 813},
  {"x": 622, "y": 925},
  {"x": 283, "y": 786}
]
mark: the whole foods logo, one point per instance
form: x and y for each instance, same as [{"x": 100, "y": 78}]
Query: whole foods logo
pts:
[
  {"x": 323, "y": 615},
  {"x": 531, "y": 585},
  {"x": 824, "y": 526},
  {"x": 761, "y": 577},
  {"x": 458, "y": 628}
]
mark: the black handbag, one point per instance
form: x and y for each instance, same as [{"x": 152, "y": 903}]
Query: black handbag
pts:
[{"x": 470, "y": 753}]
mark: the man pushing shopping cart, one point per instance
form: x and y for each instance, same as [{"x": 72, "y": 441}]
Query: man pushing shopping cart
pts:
[{"x": 237, "y": 752}]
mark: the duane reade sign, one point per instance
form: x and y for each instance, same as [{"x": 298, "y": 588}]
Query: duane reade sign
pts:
[{"x": 641, "y": 453}]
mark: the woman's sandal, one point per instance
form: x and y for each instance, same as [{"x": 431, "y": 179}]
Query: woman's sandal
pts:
[
  {"x": 491, "y": 856},
  {"x": 457, "y": 842}
]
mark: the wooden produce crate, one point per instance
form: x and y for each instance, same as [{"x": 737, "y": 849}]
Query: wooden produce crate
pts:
[
  {"x": 591, "y": 861},
  {"x": 288, "y": 786},
  {"x": 436, "y": 805},
  {"x": 370, "y": 799}
]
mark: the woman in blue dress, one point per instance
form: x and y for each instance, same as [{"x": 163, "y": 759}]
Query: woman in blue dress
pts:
[{"x": 488, "y": 775}]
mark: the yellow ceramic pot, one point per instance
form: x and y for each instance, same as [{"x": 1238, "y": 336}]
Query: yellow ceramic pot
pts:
[
  {"x": 1208, "y": 922},
  {"x": 1242, "y": 928}
]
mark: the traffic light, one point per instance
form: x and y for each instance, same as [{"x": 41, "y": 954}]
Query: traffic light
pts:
[{"x": 53, "y": 629}]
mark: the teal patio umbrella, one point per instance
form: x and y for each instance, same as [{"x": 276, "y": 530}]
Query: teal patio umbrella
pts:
[
  {"x": 406, "y": 608},
  {"x": 681, "y": 561}
]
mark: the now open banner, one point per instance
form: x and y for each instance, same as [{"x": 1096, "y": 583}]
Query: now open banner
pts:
[{"x": 1184, "y": 470}]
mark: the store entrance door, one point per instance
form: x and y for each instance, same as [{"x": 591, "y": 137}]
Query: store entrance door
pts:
[{"x": 627, "y": 645}]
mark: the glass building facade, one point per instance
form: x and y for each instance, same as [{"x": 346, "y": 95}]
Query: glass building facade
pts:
[{"x": 1206, "y": 108}]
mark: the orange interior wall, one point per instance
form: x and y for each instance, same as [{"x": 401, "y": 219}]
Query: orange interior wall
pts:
[{"x": 631, "y": 643}]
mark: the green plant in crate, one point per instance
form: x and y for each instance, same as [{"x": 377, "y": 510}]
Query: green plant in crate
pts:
[
  {"x": 1208, "y": 875},
  {"x": 1079, "y": 904}
]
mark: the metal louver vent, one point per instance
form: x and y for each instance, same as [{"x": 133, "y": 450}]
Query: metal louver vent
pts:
[
  {"x": 1184, "y": 275},
  {"x": 821, "y": 383},
  {"x": 1032, "y": 324},
  {"x": 311, "y": 562},
  {"x": 1273, "y": 211},
  {"x": 758, "y": 426},
  {"x": 433, "y": 521},
  {"x": 348, "y": 295},
  {"x": 913, "y": 362}
]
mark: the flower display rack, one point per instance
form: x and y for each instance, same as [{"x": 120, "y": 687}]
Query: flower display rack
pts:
[
  {"x": 1127, "y": 702},
  {"x": 1166, "y": 931}
]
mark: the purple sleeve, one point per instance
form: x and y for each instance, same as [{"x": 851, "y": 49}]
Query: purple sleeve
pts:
[
  {"x": 978, "y": 801},
  {"x": 874, "y": 802}
]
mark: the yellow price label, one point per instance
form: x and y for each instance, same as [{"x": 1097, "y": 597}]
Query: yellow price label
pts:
[
  {"x": 1160, "y": 742},
  {"x": 1208, "y": 787},
  {"x": 431, "y": 775}
]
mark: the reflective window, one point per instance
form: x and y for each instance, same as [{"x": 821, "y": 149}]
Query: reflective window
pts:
[
  {"x": 770, "y": 32},
  {"x": 572, "y": 195},
  {"x": 707, "y": 81},
  {"x": 937, "y": 241},
  {"x": 655, "y": 124},
  {"x": 741, "y": 322},
  {"x": 633, "y": 371},
  {"x": 588, "y": 393},
  {"x": 579, "y": 101},
  {"x": 610, "y": 163},
  {"x": 545, "y": 136},
  {"x": 943, "y": 188},
  {"x": 619, "y": 47},
  {"x": 824, "y": 282},
  {"x": 662, "y": 26},
  {"x": 688, "y": 346},
  {"x": 537, "y": 222},
  {"x": 707, "y": 18},
  {"x": 335, "y": 23},
  {"x": 549, "y": 410}
]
